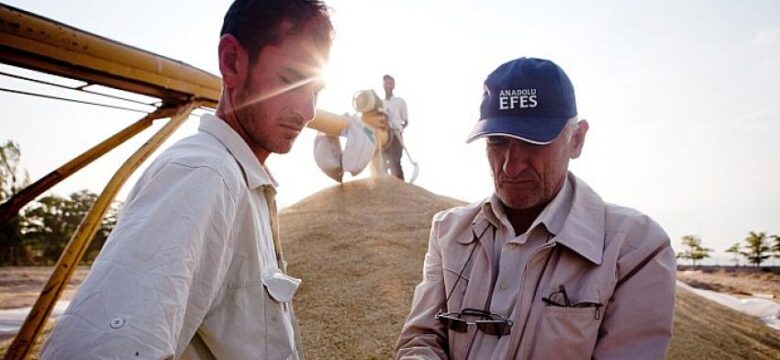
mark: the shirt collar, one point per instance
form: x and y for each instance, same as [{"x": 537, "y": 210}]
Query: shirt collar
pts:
[
  {"x": 575, "y": 217},
  {"x": 255, "y": 173},
  {"x": 552, "y": 216}
]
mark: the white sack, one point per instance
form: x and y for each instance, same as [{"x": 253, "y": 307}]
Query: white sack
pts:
[
  {"x": 361, "y": 144},
  {"x": 327, "y": 154}
]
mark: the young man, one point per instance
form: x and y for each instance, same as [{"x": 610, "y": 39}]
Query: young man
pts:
[
  {"x": 397, "y": 119},
  {"x": 191, "y": 269},
  {"x": 542, "y": 269}
]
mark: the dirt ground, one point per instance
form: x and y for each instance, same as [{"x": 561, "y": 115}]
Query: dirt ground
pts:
[
  {"x": 737, "y": 281},
  {"x": 20, "y": 286}
]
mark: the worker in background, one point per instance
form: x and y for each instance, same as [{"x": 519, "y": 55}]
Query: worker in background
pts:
[
  {"x": 543, "y": 268},
  {"x": 193, "y": 269},
  {"x": 398, "y": 119}
]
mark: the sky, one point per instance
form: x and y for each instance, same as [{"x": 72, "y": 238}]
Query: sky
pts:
[{"x": 681, "y": 96}]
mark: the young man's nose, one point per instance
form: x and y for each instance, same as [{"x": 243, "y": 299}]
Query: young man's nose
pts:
[{"x": 305, "y": 104}]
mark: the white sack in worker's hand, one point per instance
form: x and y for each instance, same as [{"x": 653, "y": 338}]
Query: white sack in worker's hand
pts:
[
  {"x": 361, "y": 144},
  {"x": 327, "y": 154}
]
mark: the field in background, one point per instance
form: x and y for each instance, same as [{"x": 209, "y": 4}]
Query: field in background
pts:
[
  {"x": 20, "y": 286},
  {"x": 359, "y": 248}
]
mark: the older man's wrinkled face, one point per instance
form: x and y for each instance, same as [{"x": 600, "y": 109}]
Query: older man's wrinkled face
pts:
[{"x": 526, "y": 175}]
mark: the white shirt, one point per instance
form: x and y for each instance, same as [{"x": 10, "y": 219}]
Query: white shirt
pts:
[
  {"x": 190, "y": 269},
  {"x": 395, "y": 107}
]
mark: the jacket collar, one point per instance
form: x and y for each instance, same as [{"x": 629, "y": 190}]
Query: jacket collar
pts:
[
  {"x": 583, "y": 230},
  {"x": 575, "y": 217},
  {"x": 552, "y": 216},
  {"x": 255, "y": 174}
]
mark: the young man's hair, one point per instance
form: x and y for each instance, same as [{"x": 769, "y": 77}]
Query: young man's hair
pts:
[
  {"x": 258, "y": 23},
  {"x": 387, "y": 77}
]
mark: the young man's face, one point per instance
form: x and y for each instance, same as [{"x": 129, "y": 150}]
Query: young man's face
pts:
[
  {"x": 389, "y": 85},
  {"x": 279, "y": 96},
  {"x": 527, "y": 175}
]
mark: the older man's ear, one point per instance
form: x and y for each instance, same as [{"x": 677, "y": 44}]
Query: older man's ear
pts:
[{"x": 578, "y": 139}]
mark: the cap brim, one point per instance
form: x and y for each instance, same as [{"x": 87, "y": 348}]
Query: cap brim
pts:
[{"x": 539, "y": 131}]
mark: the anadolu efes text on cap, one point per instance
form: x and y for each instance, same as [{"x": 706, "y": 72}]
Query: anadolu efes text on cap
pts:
[{"x": 527, "y": 98}]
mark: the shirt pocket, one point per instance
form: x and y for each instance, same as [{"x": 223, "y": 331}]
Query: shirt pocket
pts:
[
  {"x": 569, "y": 332},
  {"x": 280, "y": 287},
  {"x": 250, "y": 320}
]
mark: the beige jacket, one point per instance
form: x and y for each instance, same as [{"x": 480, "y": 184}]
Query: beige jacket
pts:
[{"x": 614, "y": 258}]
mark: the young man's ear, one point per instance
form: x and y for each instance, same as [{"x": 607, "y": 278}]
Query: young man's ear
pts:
[
  {"x": 578, "y": 139},
  {"x": 233, "y": 62}
]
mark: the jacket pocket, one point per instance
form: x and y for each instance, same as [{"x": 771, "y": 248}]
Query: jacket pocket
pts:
[{"x": 569, "y": 332}]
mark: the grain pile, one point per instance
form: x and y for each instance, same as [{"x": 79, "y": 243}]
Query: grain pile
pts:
[{"x": 358, "y": 248}]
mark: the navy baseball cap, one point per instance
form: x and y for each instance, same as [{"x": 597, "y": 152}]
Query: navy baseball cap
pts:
[{"x": 528, "y": 99}]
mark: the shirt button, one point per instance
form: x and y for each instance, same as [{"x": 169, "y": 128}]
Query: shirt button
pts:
[
  {"x": 502, "y": 286},
  {"x": 117, "y": 323}
]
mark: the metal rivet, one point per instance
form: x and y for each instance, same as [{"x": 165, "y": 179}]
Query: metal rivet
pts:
[{"x": 117, "y": 323}]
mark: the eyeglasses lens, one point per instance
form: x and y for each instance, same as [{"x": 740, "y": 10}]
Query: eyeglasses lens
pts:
[
  {"x": 454, "y": 323},
  {"x": 494, "y": 327}
]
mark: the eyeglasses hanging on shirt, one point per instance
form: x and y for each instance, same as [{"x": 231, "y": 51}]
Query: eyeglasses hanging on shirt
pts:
[{"x": 485, "y": 321}]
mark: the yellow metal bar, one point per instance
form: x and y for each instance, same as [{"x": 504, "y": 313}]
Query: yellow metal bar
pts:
[
  {"x": 83, "y": 235},
  {"x": 329, "y": 123},
  {"x": 38, "y": 43},
  {"x": 11, "y": 207},
  {"x": 334, "y": 124}
]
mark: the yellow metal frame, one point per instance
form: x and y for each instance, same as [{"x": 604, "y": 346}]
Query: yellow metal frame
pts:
[
  {"x": 30, "y": 41},
  {"x": 42, "y": 44},
  {"x": 11, "y": 207},
  {"x": 34, "y": 42},
  {"x": 83, "y": 235}
]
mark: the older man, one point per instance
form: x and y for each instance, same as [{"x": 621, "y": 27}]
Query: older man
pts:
[
  {"x": 193, "y": 268},
  {"x": 543, "y": 268}
]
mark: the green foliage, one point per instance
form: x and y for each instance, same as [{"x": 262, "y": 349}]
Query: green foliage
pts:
[
  {"x": 776, "y": 246},
  {"x": 693, "y": 250},
  {"x": 734, "y": 249},
  {"x": 756, "y": 248},
  {"x": 50, "y": 223},
  {"x": 40, "y": 233},
  {"x": 12, "y": 179}
]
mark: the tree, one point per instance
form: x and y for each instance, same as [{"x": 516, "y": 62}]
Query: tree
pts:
[
  {"x": 13, "y": 178},
  {"x": 106, "y": 226},
  {"x": 756, "y": 248},
  {"x": 734, "y": 249},
  {"x": 50, "y": 224},
  {"x": 693, "y": 250},
  {"x": 776, "y": 246}
]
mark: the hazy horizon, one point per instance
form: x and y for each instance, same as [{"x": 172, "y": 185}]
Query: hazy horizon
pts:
[{"x": 681, "y": 97}]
